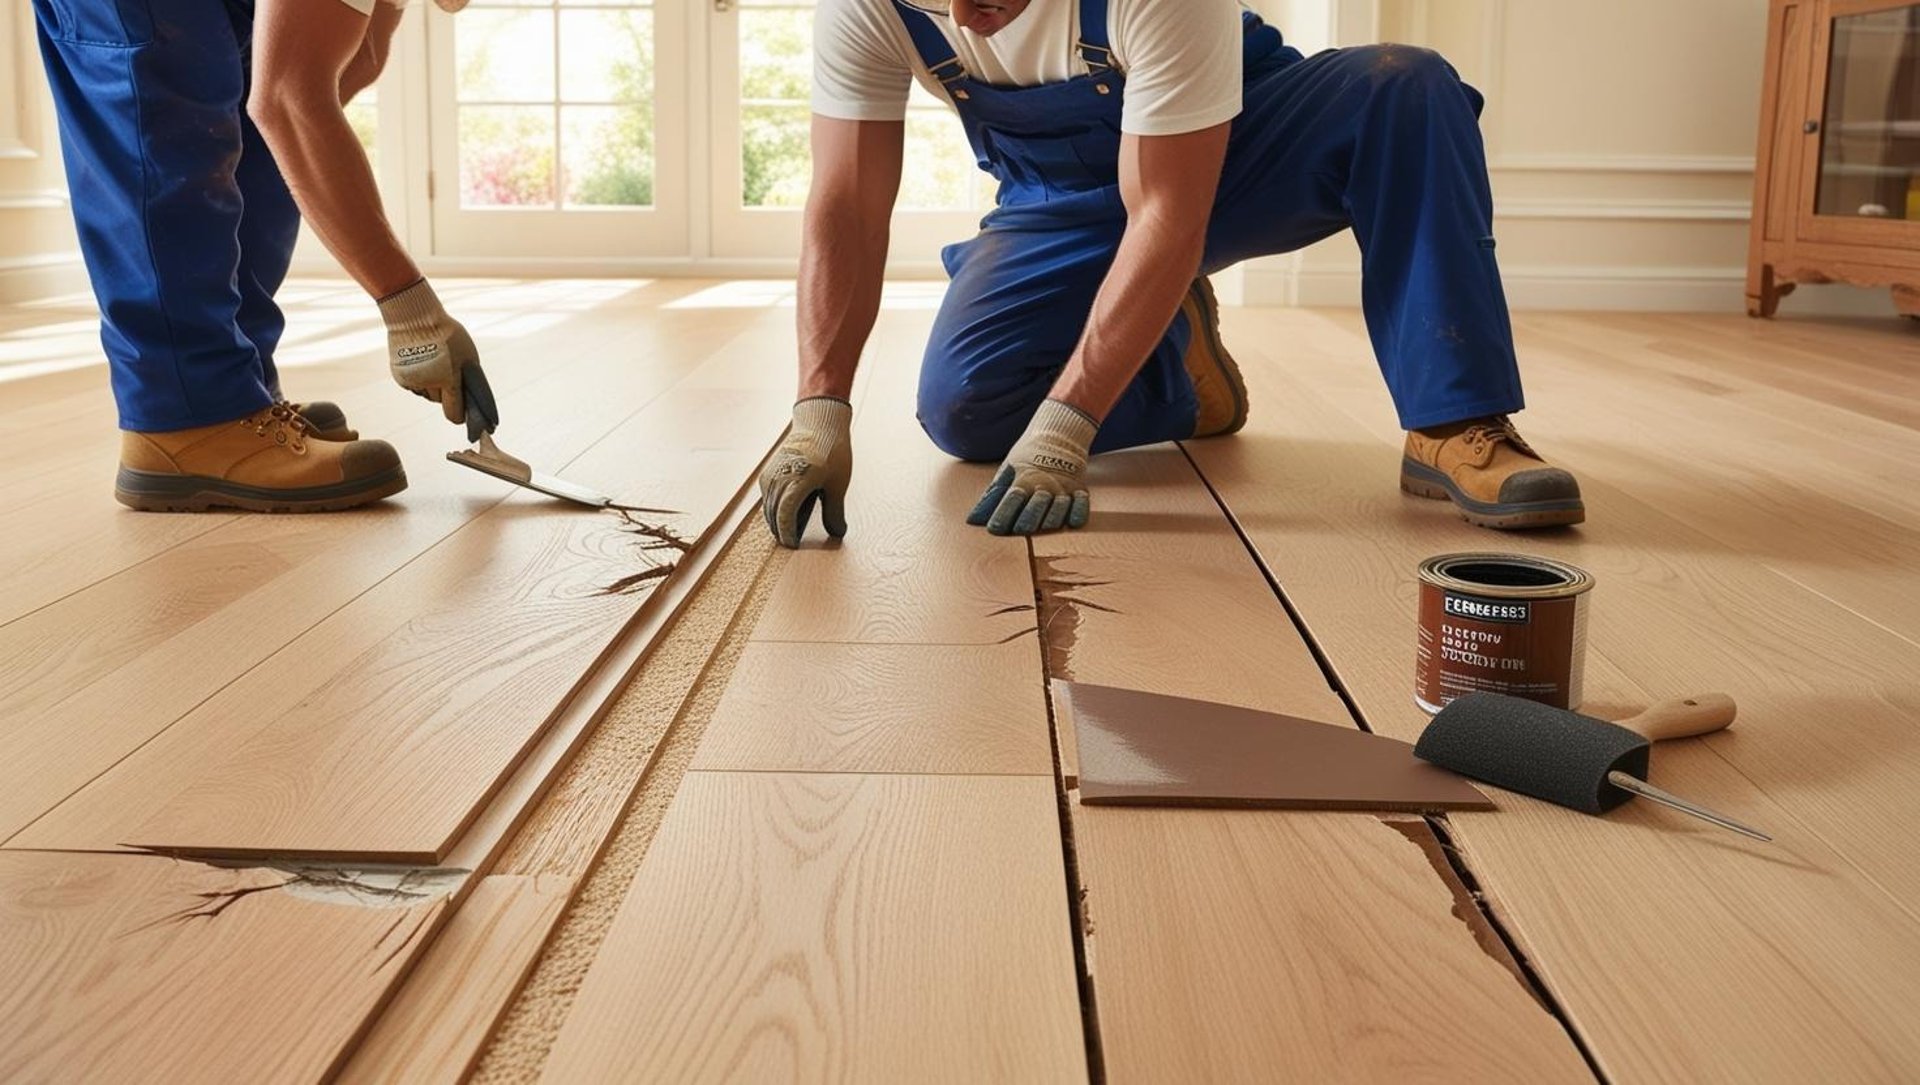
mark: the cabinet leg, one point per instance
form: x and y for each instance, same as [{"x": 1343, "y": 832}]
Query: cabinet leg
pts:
[{"x": 1764, "y": 293}]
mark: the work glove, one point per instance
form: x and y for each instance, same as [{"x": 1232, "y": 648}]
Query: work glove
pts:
[
  {"x": 1042, "y": 484},
  {"x": 432, "y": 356},
  {"x": 814, "y": 463}
]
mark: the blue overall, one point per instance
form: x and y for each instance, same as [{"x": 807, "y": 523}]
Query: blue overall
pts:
[
  {"x": 185, "y": 224},
  {"x": 1384, "y": 139}
]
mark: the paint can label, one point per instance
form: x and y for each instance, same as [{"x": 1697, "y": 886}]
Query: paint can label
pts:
[{"x": 1529, "y": 648}]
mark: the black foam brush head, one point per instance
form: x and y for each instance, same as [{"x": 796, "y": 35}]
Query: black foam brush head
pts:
[{"x": 1535, "y": 749}]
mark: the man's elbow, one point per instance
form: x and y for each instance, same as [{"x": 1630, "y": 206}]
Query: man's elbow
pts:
[{"x": 277, "y": 109}]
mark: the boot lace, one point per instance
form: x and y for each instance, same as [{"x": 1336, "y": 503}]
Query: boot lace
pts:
[
  {"x": 1484, "y": 435},
  {"x": 283, "y": 423}
]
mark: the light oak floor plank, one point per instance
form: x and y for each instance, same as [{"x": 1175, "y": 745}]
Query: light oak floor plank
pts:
[
  {"x": 434, "y": 1029},
  {"x": 138, "y": 968},
  {"x": 882, "y": 708},
  {"x": 813, "y": 926}
]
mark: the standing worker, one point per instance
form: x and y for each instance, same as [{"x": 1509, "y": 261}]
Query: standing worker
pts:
[
  {"x": 1141, "y": 145},
  {"x": 187, "y": 229}
]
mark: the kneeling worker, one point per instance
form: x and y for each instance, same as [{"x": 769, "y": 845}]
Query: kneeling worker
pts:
[{"x": 1141, "y": 145}]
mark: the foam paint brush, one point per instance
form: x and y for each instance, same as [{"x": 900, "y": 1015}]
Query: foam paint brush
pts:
[{"x": 1569, "y": 759}]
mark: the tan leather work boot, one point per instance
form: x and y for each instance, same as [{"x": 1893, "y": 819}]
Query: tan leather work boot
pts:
[
  {"x": 1491, "y": 475},
  {"x": 327, "y": 421},
  {"x": 266, "y": 462},
  {"x": 1217, "y": 383}
]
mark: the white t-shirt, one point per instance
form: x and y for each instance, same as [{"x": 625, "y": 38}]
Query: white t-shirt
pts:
[{"x": 1181, "y": 58}]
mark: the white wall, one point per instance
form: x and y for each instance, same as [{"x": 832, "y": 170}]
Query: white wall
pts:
[
  {"x": 1620, "y": 135},
  {"x": 37, "y": 248}
]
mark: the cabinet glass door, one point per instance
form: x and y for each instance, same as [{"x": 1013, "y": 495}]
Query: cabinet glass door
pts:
[{"x": 1869, "y": 164}]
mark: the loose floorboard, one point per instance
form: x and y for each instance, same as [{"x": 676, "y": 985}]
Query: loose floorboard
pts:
[
  {"x": 434, "y": 1029},
  {"x": 1678, "y": 951},
  {"x": 816, "y": 926},
  {"x": 139, "y": 968}
]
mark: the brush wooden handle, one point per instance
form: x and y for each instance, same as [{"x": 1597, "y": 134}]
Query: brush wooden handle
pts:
[{"x": 1683, "y": 717}]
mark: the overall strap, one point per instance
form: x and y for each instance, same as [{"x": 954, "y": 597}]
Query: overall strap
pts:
[
  {"x": 1093, "y": 36},
  {"x": 936, "y": 52}
]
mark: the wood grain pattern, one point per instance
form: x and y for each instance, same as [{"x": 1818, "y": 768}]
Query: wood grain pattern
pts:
[
  {"x": 882, "y": 708},
  {"x": 137, "y": 968},
  {"x": 1226, "y": 944},
  {"x": 1679, "y": 954},
  {"x": 811, "y": 927},
  {"x": 419, "y": 653},
  {"x": 1160, "y": 582},
  {"x": 434, "y": 1029},
  {"x": 1313, "y": 946}
]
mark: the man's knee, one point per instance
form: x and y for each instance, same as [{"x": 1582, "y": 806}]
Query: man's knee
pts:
[
  {"x": 965, "y": 424},
  {"x": 965, "y": 435}
]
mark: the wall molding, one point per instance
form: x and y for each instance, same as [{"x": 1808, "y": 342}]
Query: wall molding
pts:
[
  {"x": 1623, "y": 210},
  {"x": 1622, "y": 163},
  {"x": 33, "y": 199},
  {"x": 30, "y": 278},
  {"x": 1642, "y": 289}
]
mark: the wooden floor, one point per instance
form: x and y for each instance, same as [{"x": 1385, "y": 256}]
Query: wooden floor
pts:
[{"x": 876, "y": 866}]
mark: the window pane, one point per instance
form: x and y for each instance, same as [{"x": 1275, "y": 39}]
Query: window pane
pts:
[
  {"x": 608, "y": 155},
  {"x": 776, "y": 55},
  {"x": 506, "y": 156},
  {"x": 606, "y": 56},
  {"x": 774, "y": 163},
  {"x": 939, "y": 163},
  {"x": 363, "y": 113},
  {"x": 504, "y": 56}
]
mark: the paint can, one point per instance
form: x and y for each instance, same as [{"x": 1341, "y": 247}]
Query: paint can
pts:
[{"x": 1501, "y": 623}]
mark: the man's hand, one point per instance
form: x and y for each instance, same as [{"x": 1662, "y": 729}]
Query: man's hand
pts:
[
  {"x": 1042, "y": 484},
  {"x": 431, "y": 355},
  {"x": 814, "y": 463}
]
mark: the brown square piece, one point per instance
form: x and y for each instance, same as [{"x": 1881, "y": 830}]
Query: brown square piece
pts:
[{"x": 1145, "y": 749}]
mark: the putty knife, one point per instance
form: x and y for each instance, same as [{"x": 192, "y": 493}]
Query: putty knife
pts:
[
  {"x": 1146, "y": 749},
  {"x": 487, "y": 458}
]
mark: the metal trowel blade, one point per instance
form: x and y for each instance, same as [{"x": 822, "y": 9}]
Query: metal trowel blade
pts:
[{"x": 487, "y": 457}]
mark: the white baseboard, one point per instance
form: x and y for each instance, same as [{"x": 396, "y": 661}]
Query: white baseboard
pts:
[
  {"x": 29, "y": 278},
  {"x": 1675, "y": 290}
]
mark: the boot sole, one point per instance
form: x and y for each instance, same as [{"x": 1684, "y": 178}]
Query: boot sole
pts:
[
  {"x": 1422, "y": 481},
  {"x": 1210, "y": 327},
  {"x": 148, "y": 491}
]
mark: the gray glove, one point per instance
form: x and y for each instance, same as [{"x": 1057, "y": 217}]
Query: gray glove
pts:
[
  {"x": 432, "y": 356},
  {"x": 1042, "y": 484},
  {"x": 814, "y": 464}
]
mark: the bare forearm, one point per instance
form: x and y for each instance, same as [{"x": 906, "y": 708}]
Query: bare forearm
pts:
[
  {"x": 303, "y": 53},
  {"x": 842, "y": 267},
  {"x": 332, "y": 181},
  {"x": 1158, "y": 258}
]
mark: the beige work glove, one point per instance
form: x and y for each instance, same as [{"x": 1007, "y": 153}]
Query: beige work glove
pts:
[
  {"x": 814, "y": 463},
  {"x": 432, "y": 356},
  {"x": 1042, "y": 485}
]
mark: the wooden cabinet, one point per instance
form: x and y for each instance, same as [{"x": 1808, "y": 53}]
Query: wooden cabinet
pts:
[{"x": 1837, "y": 192}]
